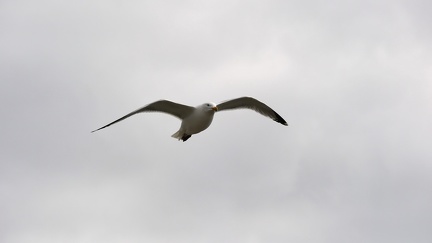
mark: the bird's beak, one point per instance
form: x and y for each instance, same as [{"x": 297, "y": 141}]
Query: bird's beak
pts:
[{"x": 215, "y": 108}]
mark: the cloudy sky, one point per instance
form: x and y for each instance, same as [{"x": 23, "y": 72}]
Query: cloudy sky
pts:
[{"x": 352, "y": 78}]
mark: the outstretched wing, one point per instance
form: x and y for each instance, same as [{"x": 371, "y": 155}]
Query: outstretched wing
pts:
[
  {"x": 178, "y": 110},
  {"x": 254, "y": 104}
]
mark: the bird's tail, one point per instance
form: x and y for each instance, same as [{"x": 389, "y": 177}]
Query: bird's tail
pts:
[{"x": 180, "y": 135}]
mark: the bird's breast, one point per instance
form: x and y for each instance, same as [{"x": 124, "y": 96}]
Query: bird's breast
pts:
[{"x": 197, "y": 122}]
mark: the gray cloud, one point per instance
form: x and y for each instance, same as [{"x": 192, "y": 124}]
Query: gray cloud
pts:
[{"x": 351, "y": 78}]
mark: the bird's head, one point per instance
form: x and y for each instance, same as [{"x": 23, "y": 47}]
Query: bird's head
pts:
[{"x": 209, "y": 107}]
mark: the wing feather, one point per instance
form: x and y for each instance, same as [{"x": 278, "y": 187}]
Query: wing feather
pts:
[
  {"x": 178, "y": 110},
  {"x": 253, "y": 104}
]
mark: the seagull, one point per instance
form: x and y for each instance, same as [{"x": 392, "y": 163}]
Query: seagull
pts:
[{"x": 197, "y": 119}]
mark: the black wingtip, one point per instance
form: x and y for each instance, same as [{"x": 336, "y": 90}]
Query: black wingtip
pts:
[
  {"x": 280, "y": 120},
  {"x": 96, "y": 130},
  {"x": 101, "y": 128}
]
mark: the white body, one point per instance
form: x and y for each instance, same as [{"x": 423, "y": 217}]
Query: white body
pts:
[{"x": 197, "y": 122}]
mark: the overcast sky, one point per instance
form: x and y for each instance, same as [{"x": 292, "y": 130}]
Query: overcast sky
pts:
[{"x": 352, "y": 78}]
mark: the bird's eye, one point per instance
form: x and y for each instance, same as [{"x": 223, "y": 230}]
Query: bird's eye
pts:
[{"x": 208, "y": 104}]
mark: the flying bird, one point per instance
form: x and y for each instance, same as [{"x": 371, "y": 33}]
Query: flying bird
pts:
[{"x": 197, "y": 119}]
